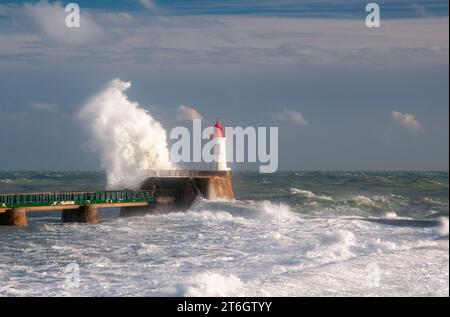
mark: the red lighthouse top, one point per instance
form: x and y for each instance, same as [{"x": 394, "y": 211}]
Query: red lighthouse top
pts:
[{"x": 218, "y": 130}]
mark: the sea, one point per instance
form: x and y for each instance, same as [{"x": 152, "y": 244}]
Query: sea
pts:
[{"x": 286, "y": 234}]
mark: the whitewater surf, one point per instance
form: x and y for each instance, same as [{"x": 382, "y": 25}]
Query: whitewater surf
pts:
[{"x": 270, "y": 241}]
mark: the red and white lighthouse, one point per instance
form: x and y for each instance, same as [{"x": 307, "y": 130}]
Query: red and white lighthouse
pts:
[{"x": 220, "y": 147}]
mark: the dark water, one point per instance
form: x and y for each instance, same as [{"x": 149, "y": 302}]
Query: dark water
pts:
[
  {"x": 286, "y": 234},
  {"x": 418, "y": 195},
  {"x": 409, "y": 194},
  {"x": 28, "y": 181}
]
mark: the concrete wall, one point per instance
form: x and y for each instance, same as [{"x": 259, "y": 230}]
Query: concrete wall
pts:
[{"x": 177, "y": 190}]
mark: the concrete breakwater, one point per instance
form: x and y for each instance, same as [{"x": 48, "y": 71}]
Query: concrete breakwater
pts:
[{"x": 178, "y": 189}]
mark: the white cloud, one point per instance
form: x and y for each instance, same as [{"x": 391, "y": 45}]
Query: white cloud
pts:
[
  {"x": 292, "y": 116},
  {"x": 407, "y": 120},
  {"x": 51, "y": 19},
  {"x": 420, "y": 9},
  {"x": 43, "y": 106},
  {"x": 150, "y": 5},
  {"x": 187, "y": 113},
  {"x": 217, "y": 41}
]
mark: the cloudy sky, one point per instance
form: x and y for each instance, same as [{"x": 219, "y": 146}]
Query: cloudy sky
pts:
[{"x": 344, "y": 96}]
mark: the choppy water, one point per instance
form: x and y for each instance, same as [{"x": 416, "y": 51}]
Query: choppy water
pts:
[{"x": 290, "y": 233}]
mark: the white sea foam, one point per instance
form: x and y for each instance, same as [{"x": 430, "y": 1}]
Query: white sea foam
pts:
[
  {"x": 443, "y": 227},
  {"x": 335, "y": 245},
  {"x": 211, "y": 284},
  {"x": 216, "y": 215},
  {"x": 372, "y": 201},
  {"x": 432, "y": 201},
  {"x": 391, "y": 215},
  {"x": 129, "y": 140},
  {"x": 363, "y": 200},
  {"x": 340, "y": 237},
  {"x": 308, "y": 194},
  {"x": 276, "y": 211},
  {"x": 233, "y": 210},
  {"x": 379, "y": 245},
  {"x": 240, "y": 248}
]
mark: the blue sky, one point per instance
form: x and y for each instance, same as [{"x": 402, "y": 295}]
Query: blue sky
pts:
[{"x": 373, "y": 98}]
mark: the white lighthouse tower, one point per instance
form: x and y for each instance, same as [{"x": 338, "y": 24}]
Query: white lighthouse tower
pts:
[{"x": 220, "y": 147}]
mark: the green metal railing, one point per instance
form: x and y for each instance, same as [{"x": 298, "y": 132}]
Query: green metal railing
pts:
[{"x": 74, "y": 198}]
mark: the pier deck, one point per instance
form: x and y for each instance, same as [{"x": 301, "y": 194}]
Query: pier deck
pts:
[
  {"x": 76, "y": 206},
  {"x": 165, "y": 189}
]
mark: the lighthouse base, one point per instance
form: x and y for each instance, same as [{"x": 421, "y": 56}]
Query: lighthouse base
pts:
[{"x": 176, "y": 190}]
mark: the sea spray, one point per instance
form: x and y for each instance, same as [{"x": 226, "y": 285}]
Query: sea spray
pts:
[
  {"x": 211, "y": 284},
  {"x": 443, "y": 227},
  {"x": 129, "y": 141}
]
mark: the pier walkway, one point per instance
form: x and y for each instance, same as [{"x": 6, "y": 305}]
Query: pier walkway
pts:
[{"x": 76, "y": 206}]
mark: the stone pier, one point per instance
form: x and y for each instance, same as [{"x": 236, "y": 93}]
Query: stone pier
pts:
[
  {"x": 14, "y": 217},
  {"x": 178, "y": 189},
  {"x": 86, "y": 214},
  {"x": 172, "y": 190}
]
